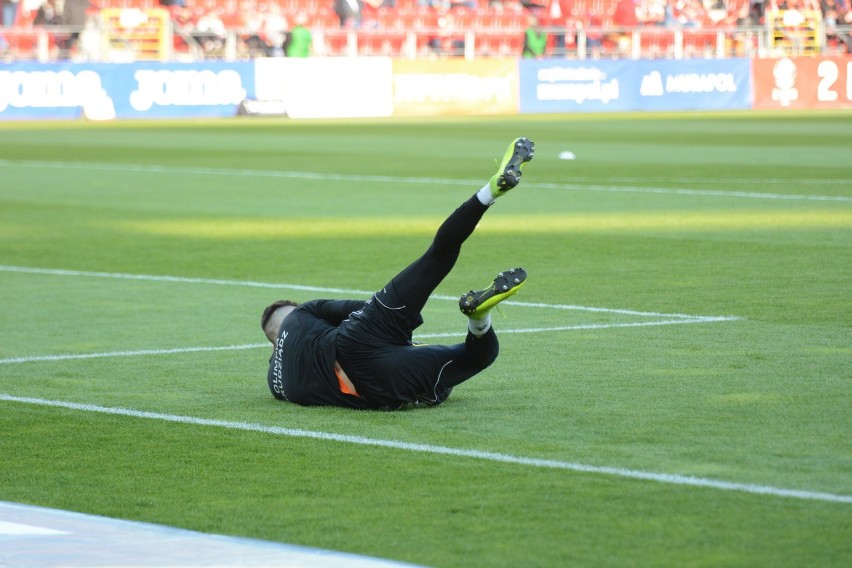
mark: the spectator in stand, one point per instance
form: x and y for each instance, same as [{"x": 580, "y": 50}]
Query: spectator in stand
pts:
[
  {"x": 651, "y": 12},
  {"x": 89, "y": 43},
  {"x": 745, "y": 40},
  {"x": 832, "y": 17},
  {"x": 48, "y": 14},
  {"x": 349, "y": 12},
  {"x": 183, "y": 21},
  {"x": 535, "y": 40},
  {"x": 9, "y": 15},
  {"x": 299, "y": 39},
  {"x": 210, "y": 32},
  {"x": 449, "y": 40},
  {"x": 669, "y": 18},
  {"x": 74, "y": 16},
  {"x": 749, "y": 15},
  {"x": 594, "y": 35},
  {"x": 4, "y": 45},
  {"x": 275, "y": 28},
  {"x": 683, "y": 14},
  {"x": 437, "y": 4},
  {"x": 759, "y": 6},
  {"x": 10, "y": 12},
  {"x": 846, "y": 20},
  {"x": 254, "y": 17},
  {"x": 689, "y": 13},
  {"x": 717, "y": 10}
]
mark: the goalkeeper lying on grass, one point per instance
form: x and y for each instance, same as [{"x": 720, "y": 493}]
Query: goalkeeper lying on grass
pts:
[{"x": 359, "y": 354}]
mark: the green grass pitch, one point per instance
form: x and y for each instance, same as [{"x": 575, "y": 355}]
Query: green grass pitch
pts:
[{"x": 715, "y": 251}]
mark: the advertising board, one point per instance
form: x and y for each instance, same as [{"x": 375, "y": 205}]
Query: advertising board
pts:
[
  {"x": 455, "y": 87},
  {"x": 803, "y": 83},
  {"x": 325, "y": 87},
  {"x": 379, "y": 87},
  {"x": 559, "y": 86},
  {"x": 101, "y": 91}
]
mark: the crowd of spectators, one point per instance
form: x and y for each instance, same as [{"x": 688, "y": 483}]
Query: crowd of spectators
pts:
[{"x": 283, "y": 27}]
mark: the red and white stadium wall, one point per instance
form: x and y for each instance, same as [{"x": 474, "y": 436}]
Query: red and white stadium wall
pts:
[{"x": 379, "y": 87}]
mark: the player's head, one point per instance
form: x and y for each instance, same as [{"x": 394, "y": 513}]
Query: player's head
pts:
[{"x": 273, "y": 315}]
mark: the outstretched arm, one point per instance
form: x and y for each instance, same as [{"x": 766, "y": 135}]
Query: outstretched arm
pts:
[{"x": 335, "y": 311}]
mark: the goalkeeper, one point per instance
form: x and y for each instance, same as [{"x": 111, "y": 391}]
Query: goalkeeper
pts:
[{"x": 359, "y": 354}]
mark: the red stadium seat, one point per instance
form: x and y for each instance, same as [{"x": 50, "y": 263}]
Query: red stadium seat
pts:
[{"x": 381, "y": 43}]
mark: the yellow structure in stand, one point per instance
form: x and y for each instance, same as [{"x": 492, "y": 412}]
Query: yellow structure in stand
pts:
[
  {"x": 795, "y": 32},
  {"x": 136, "y": 35}
]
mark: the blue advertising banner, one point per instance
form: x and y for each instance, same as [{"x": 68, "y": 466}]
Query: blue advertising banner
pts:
[
  {"x": 560, "y": 85},
  {"x": 557, "y": 86},
  {"x": 102, "y": 91},
  {"x": 693, "y": 84}
]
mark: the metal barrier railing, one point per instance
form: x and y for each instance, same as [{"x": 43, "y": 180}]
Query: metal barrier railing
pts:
[{"x": 86, "y": 44}]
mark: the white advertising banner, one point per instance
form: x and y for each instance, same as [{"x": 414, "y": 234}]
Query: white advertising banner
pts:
[{"x": 325, "y": 87}]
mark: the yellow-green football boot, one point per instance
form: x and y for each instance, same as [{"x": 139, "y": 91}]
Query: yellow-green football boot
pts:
[
  {"x": 477, "y": 303},
  {"x": 519, "y": 152}
]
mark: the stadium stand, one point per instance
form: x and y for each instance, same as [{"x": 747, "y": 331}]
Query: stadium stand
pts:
[{"x": 404, "y": 28}]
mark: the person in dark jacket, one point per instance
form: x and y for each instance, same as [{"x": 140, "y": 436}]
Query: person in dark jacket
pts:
[
  {"x": 360, "y": 354},
  {"x": 74, "y": 14}
]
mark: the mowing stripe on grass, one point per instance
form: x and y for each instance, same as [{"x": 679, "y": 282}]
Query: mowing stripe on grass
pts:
[
  {"x": 668, "y": 478},
  {"x": 249, "y": 283},
  {"x": 171, "y": 170},
  {"x": 179, "y": 350}
]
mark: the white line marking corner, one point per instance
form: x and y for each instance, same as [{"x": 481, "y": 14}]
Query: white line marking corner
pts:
[
  {"x": 659, "y": 317},
  {"x": 672, "y": 479}
]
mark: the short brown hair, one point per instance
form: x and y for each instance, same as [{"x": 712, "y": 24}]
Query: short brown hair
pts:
[{"x": 270, "y": 309}]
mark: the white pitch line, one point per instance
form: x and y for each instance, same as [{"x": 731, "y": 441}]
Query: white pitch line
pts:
[
  {"x": 179, "y": 350},
  {"x": 668, "y": 478},
  {"x": 591, "y": 326},
  {"x": 177, "y": 279},
  {"x": 695, "y": 319},
  {"x": 172, "y": 170},
  {"x": 139, "y": 352},
  {"x": 252, "y": 284},
  {"x": 600, "y": 310},
  {"x": 694, "y": 192},
  {"x": 671, "y": 319},
  {"x": 718, "y": 181}
]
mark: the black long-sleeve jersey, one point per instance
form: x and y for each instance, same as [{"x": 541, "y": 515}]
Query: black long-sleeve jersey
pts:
[{"x": 301, "y": 369}]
